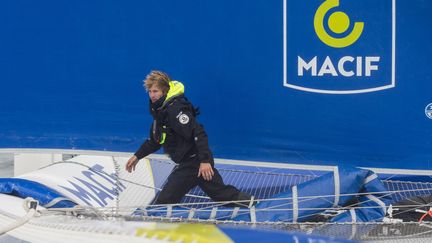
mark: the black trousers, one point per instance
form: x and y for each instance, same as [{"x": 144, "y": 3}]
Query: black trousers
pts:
[{"x": 184, "y": 178}]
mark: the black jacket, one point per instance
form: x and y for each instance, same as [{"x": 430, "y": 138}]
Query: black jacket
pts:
[{"x": 185, "y": 140}]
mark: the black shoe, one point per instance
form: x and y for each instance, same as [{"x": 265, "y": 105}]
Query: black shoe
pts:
[{"x": 245, "y": 200}]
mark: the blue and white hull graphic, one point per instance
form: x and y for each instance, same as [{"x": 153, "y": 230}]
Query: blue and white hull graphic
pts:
[{"x": 94, "y": 187}]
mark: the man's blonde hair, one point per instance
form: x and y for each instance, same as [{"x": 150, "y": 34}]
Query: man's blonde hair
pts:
[{"x": 158, "y": 78}]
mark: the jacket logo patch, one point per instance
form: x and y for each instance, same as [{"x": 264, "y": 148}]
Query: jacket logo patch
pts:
[{"x": 183, "y": 119}]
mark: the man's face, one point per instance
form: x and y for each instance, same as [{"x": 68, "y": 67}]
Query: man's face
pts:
[{"x": 155, "y": 93}]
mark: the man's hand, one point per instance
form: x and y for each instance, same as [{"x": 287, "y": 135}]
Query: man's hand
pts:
[
  {"x": 131, "y": 164},
  {"x": 206, "y": 171}
]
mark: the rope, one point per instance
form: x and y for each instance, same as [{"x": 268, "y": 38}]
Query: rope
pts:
[
  {"x": 427, "y": 213},
  {"x": 29, "y": 206},
  {"x": 117, "y": 183}
]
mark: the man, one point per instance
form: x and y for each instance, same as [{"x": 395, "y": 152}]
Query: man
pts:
[{"x": 185, "y": 141}]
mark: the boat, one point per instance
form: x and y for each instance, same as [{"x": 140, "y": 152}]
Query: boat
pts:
[{"x": 90, "y": 192}]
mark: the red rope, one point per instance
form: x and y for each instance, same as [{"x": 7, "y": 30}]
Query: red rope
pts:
[{"x": 426, "y": 214}]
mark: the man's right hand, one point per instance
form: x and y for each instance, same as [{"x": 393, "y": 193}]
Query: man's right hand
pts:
[
  {"x": 131, "y": 164},
  {"x": 206, "y": 171}
]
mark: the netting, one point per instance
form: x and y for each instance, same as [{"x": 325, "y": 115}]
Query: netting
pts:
[
  {"x": 263, "y": 185},
  {"x": 406, "y": 189},
  {"x": 143, "y": 186},
  {"x": 259, "y": 184},
  {"x": 373, "y": 231},
  {"x": 253, "y": 180},
  {"x": 266, "y": 184}
]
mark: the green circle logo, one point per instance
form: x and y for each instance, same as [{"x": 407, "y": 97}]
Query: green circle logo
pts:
[{"x": 338, "y": 22}]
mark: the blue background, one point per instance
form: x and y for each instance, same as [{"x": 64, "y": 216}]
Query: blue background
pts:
[
  {"x": 375, "y": 41},
  {"x": 71, "y": 76}
]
